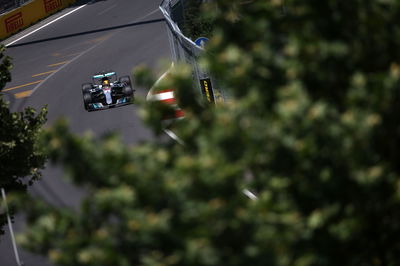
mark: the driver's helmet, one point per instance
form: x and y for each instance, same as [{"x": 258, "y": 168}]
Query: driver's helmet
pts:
[{"x": 105, "y": 82}]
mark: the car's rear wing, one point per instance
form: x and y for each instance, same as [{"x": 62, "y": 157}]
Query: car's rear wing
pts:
[{"x": 104, "y": 75}]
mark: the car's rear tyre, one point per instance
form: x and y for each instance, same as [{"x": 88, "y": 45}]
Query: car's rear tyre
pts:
[
  {"x": 125, "y": 79},
  {"x": 86, "y": 87},
  {"x": 127, "y": 91}
]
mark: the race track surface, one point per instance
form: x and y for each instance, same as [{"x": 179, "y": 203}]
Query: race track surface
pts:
[{"x": 51, "y": 64}]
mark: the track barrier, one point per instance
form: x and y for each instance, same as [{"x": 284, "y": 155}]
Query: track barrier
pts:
[{"x": 28, "y": 14}]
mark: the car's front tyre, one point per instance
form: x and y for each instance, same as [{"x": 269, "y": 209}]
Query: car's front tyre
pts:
[
  {"x": 87, "y": 99},
  {"x": 127, "y": 89},
  {"x": 87, "y": 96}
]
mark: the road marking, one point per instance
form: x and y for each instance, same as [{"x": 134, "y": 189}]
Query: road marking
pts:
[
  {"x": 45, "y": 25},
  {"x": 148, "y": 14},
  {"x": 24, "y": 85},
  {"x": 78, "y": 56},
  {"x": 66, "y": 55},
  {"x": 107, "y": 9},
  {"x": 71, "y": 54},
  {"x": 68, "y": 62},
  {"x": 57, "y": 64},
  {"x": 23, "y": 94},
  {"x": 44, "y": 73},
  {"x": 102, "y": 38}
]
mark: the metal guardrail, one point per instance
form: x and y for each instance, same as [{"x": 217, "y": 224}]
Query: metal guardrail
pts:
[{"x": 185, "y": 50}]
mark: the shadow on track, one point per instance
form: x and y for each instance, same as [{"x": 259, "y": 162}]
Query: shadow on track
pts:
[
  {"x": 86, "y": 2},
  {"x": 89, "y": 32}
]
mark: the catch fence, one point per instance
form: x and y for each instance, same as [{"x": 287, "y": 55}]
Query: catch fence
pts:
[
  {"x": 186, "y": 50},
  {"x": 8, "y": 5}
]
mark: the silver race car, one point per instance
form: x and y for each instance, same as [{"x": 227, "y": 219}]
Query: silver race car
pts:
[{"x": 107, "y": 91}]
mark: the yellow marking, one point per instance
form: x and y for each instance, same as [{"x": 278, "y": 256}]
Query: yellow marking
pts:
[
  {"x": 44, "y": 73},
  {"x": 23, "y": 94},
  {"x": 65, "y": 55},
  {"x": 57, "y": 64},
  {"x": 72, "y": 54},
  {"x": 102, "y": 38},
  {"x": 24, "y": 85}
]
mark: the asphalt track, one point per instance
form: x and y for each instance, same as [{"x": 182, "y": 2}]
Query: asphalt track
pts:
[{"x": 51, "y": 64}]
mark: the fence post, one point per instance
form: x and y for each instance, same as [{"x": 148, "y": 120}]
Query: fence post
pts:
[{"x": 3, "y": 194}]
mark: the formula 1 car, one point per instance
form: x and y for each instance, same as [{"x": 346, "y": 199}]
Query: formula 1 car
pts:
[{"x": 107, "y": 91}]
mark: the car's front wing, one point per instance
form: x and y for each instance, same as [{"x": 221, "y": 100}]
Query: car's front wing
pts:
[{"x": 101, "y": 106}]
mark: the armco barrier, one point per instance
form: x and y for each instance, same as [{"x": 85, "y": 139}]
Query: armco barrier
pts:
[
  {"x": 185, "y": 50},
  {"x": 28, "y": 14}
]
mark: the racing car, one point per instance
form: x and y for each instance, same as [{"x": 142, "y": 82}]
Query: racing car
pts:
[{"x": 107, "y": 91}]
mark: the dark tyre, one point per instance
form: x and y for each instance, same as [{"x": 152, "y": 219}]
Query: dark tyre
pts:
[
  {"x": 86, "y": 87},
  {"x": 127, "y": 89},
  {"x": 126, "y": 80},
  {"x": 87, "y": 99}
]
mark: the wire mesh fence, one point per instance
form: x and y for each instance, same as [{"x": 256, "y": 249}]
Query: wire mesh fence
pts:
[
  {"x": 8, "y": 5},
  {"x": 186, "y": 50}
]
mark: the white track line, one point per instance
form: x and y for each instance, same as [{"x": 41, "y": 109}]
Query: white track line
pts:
[
  {"x": 107, "y": 9},
  {"x": 45, "y": 25},
  {"x": 69, "y": 62},
  {"x": 69, "y": 13},
  {"x": 84, "y": 52}
]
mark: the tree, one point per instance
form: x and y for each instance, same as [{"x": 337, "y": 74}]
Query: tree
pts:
[
  {"x": 196, "y": 24},
  {"x": 311, "y": 126},
  {"x": 20, "y": 156}
]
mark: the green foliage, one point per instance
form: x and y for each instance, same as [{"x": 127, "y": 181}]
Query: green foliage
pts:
[
  {"x": 312, "y": 127},
  {"x": 20, "y": 156},
  {"x": 5, "y": 67},
  {"x": 196, "y": 23}
]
